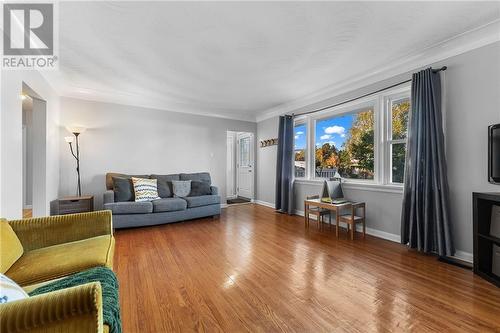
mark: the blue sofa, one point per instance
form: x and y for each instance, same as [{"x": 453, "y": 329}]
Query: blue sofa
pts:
[{"x": 165, "y": 210}]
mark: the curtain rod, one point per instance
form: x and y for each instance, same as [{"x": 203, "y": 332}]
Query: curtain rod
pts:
[{"x": 362, "y": 96}]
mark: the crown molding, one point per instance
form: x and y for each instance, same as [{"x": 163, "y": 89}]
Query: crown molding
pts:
[
  {"x": 154, "y": 104},
  {"x": 464, "y": 42}
]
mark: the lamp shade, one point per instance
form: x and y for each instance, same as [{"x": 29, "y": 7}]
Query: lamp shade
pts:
[
  {"x": 337, "y": 175},
  {"x": 76, "y": 129},
  {"x": 68, "y": 139}
]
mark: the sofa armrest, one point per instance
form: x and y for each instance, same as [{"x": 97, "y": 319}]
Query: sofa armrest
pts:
[
  {"x": 39, "y": 232},
  {"x": 76, "y": 309},
  {"x": 214, "y": 190},
  {"x": 108, "y": 197}
]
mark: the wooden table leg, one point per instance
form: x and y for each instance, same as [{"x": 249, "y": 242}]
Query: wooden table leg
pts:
[
  {"x": 337, "y": 223},
  {"x": 352, "y": 230},
  {"x": 306, "y": 215}
]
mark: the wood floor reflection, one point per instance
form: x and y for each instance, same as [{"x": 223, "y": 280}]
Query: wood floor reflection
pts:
[{"x": 255, "y": 270}]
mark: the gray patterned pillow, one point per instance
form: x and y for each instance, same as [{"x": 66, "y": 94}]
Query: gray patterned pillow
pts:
[{"x": 181, "y": 188}]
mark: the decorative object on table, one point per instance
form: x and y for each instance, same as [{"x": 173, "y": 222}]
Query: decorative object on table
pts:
[
  {"x": 426, "y": 202},
  {"x": 145, "y": 189},
  {"x": 268, "y": 142},
  {"x": 69, "y": 139},
  {"x": 72, "y": 205},
  {"x": 333, "y": 189},
  {"x": 337, "y": 176}
]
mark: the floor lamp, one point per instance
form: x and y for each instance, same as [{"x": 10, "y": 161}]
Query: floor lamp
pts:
[{"x": 69, "y": 139}]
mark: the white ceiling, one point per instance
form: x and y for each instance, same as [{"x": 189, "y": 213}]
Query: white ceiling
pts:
[{"x": 235, "y": 60}]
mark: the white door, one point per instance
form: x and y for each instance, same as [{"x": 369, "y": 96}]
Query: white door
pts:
[{"x": 245, "y": 165}]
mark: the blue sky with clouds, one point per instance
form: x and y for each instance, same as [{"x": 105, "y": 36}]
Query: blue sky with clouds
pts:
[{"x": 332, "y": 130}]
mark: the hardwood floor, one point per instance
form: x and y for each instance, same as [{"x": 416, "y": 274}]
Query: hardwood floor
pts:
[{"x": 255, "y": 270}]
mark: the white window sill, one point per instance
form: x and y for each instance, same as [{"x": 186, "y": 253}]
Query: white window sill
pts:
[{"x": 354, "y": 185}]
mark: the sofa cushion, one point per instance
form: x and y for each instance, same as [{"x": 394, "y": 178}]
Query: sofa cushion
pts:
[
  {"x": 199, "y": 188},
  {"x": 181, "y": 188},
  {"x": 10, "y": 291},
  {"x": 110, "y": 175},
  {"x": 61, "y": 260},
  {"x": 200, "y": 176},
  {"x": 130, "y": 207},
  {"x": 145, "y": 189},
  {"x": 203, "y": 200},
  {"x": 165, "y": 184},
  {"x": 124, "y": 189},
  {"x": 11, "y": 248},
  {"x": 169, "y": 205}
]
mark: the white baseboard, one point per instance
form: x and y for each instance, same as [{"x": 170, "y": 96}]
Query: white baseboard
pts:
[
  {"x": 465, "y": 256},
  {"x": 264, "y": 203},
  {"x": 224, "y": 205},
  {"x": 370, "y": 231},
  {"x": 28, "y": 207}
]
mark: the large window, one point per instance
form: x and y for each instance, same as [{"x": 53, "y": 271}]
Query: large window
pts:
[
  {"x": 364, "y": 141},
  {"x": 300, "y": 150},
  {"x": 345, "y": 143}
]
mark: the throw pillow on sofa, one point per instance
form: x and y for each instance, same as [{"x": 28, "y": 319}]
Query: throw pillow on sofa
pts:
[
  {"x": 181, "y": 188},
  {"x": 124, "y": 189},
  {"x": 199, "y": 188},
  {"x": 10, "y": 291},
  {"x": 145, "y": 189}
]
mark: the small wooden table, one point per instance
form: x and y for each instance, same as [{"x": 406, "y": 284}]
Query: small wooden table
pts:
[
  {"x": 330, "y": 206},
  {"x": 72, "y": 205}
]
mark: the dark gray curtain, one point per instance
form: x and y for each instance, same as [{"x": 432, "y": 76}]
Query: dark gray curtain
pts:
[
  {"x": 425, "y": 219},
  {"x": 285, "y": 167}
]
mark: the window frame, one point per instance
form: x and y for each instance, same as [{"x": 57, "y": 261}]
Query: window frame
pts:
[
  {"x": 344, "y": 110},
  {"x": 382, "y": 142},
  {"x": 298, "y": 122},
  {"x": 388, "y": 140}
]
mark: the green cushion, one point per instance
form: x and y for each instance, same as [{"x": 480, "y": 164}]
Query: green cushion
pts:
[{"x": 60, "y": 260}]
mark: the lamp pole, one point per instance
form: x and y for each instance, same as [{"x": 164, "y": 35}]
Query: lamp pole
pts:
[{"x": 77, "y": 158}]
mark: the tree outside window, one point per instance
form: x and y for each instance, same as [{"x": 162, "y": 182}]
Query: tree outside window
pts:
[
  {"x": 300, "y": 141},
  {"x": 399, "y": 113},
  {"x": 345, "y": 144}
]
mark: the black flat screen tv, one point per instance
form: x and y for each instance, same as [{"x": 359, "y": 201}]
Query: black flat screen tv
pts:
[{"x": 494, "y": 154}]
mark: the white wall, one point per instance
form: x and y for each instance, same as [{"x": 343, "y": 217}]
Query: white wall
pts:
[
  {"x": 28, "y": 152},
  {"x": 266, "y": 162},
  {"x": 11, "y": 179},
  {"x": 130, "y": 139},
  {"x": 472, "y": 89}
]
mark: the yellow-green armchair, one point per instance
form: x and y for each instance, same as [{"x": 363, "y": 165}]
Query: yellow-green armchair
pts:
[{"x": 36, "y": 251}]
